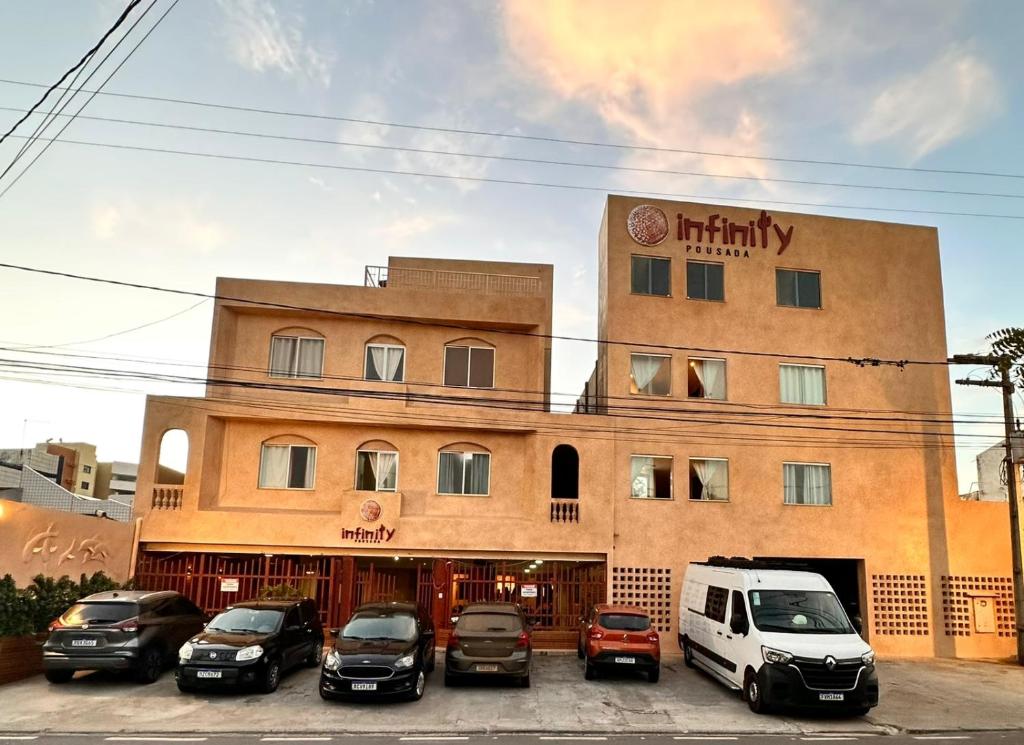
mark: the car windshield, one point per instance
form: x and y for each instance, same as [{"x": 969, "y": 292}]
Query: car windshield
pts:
[
  {"x": 399, "y": 627},
  {"x": 489, "y": 622},
  {"x": 798, "y": 612},
  {"x": 624, "y": 622},
  {"x": 99, "y": 613},
  {"x": 246, "y": 621}
]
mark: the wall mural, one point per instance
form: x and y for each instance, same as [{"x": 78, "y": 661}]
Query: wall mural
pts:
[{"x": 46, "y": 543}]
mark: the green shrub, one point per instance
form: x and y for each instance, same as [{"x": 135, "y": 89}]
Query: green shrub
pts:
[
  {"x": 15, "y": 610},
  {"x": 33, "y": 608}
]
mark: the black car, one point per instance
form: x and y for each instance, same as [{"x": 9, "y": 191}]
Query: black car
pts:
[
  {"x": 489, "y": 640},
  {"x": 252, "y": 644},
  {"x": 386, "y": 649},
  {"x": 121, "y": 630}
]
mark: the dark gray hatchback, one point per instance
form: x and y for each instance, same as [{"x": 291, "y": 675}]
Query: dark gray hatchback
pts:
[
  {"x": 489, "y": 640},
  {"x": 120, "y": 630}
]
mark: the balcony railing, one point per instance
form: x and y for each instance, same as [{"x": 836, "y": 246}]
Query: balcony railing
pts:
[
  {"x": 565, "y": 510},
  {"x": 449, "y": 281},
  {"x": 167, "y": 496}
]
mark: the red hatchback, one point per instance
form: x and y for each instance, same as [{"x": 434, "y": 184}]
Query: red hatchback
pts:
[{"x": 619, "y": 636}]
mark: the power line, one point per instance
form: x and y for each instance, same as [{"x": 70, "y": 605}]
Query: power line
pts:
[
  {"x": 532, "y": 161},
  {"x": 538, "y": 138},
  {"x": 539, "y": 184},
  {"x": 864, "y": 361},
  {"x": 85, "y": 58}
]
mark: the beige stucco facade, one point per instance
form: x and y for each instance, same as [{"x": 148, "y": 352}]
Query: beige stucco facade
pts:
[{"x": 916, "y": 557}]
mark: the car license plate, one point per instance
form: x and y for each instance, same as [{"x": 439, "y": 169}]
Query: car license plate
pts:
[
  {"x": 83, "y": 642},
  {"x": 364, "y": 686},
  {"x": 487, "y": 668},
  {"x": 830, "y": 696},
  {"x": 208, "y": 674},
  {"x": 625, "y": 660}
]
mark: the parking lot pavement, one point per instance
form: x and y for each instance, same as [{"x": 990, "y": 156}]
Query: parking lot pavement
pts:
[{"x": 917, "y": 696}]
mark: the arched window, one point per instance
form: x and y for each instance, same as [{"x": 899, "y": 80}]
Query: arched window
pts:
[
  {"x": 464, "y": 468},
  {"x": 377, "y": 466},
  {"x": 384, "y": 360},
  {"x": 297, "y": 353},
  {"x": 565, "y": 473},
  {"x": 287, "y": 462},
  {"x": 173, "y": 458}
]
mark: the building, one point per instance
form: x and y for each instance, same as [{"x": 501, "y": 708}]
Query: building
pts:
[
  {"x": 37, "y": 489},
  {"x": 991, "y": 463},
  {"x": 80, "y": 466},
  {"x": 394, "y": 440},
  {"x": 116, "y": 480},
  {"x": 13, "y": 460}
]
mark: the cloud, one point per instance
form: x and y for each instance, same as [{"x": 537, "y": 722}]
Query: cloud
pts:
[
  {"x": 926, "y": 110},
  {"x": 260, "y": 38},
  {"x": 180, "y": 223},
  {"x": 407, "y": 227}
]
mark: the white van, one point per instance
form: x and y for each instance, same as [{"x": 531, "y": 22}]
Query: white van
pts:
[{"x": 780, "y": 636}]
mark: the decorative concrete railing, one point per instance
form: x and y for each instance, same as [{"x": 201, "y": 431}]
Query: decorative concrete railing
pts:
[
  {"x": 167, "y": 496},
  {"x": 450, "y": 281},
  {"x": 565, "y": 510}
]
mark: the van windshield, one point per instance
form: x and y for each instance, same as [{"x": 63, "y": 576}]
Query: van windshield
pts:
[{"x": 798, "y": 612}]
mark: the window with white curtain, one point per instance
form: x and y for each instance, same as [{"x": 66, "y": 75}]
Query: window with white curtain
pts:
[
  {"x": 802, "y": 384},
  {"x": 463, "y": 473},
  {"x": 385, "y": 362},
  {"x": 807, "y": 483},
  {"x": 287, "y": 467},
  {"x": 469, "y": 367},
  {"x": 709, "y": 479},
  {"x": 650, "y": 374},
  {"x": 296, "y": 357},
  {"x": 376, "y": 470},
  {"x": 650, "y": 477},
  {"x": 706, "y": 379}
]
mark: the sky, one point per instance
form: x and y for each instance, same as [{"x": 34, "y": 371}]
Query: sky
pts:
[{"x": 906, "y": 84}]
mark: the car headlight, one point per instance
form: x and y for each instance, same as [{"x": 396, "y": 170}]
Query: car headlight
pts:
[
  {"x": 185, "y": 653},
  {"x": 406, "y": 661},
  {"x": 868, "y": 658},
  {"x": 776, "y": 656},
  {"x": 332, "y": 661},
  {"x": 249, "y": 653}
]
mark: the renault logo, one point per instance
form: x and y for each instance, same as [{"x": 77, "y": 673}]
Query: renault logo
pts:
[{"x": 830, "y": 662}]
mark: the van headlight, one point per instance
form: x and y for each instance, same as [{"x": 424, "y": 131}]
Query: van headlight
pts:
[
  {"x": 249, "y": 653},
  {"x": 407, "y": 661},
  {"x": 185, "y": 653},
  {"x": 332, "y": 661},
  {"x": 868, "y": 658},
  {"x": 776, "y": 656}
]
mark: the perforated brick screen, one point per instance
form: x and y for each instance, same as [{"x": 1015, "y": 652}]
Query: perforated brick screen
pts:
[
  {"x": 647, "y": 587},
  {"x": 901, "y": 604},
  {"x": 957, "y": 591}
]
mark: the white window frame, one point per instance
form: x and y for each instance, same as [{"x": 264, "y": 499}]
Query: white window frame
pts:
[
  {"x": 288, "y": 445},
  {"x": 824, "y": 384},
  {"x": 469, "y": 366},
  {"x": 725, "y": 367},
  {"x": 633, "y": 382},
  {"x": 437, "y": 478},
  {"x": 728, "y": 480},
  {"x": 671, "y": 477},
  {"x": 366, "y": 359},
  {"x": 806, "y": 463},
  {"x": 376, "y": 479},
  {"x": 295, "y": 363}
]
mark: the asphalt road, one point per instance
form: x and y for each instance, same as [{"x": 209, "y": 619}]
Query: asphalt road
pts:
[{"x": 954, "y": 738}]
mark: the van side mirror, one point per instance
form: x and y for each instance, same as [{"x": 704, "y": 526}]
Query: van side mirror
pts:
[
  {"x": 334, "y": 633},
  {"x": 739, "y": 624},
  {"x": 858, "y": 625}
]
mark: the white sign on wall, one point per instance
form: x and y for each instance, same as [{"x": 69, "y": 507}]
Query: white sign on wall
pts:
[
  {"x": 229, "y": 584},
  {"x": 528, "y": 591}
]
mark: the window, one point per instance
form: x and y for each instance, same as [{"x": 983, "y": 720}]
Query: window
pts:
[
  {"x": 807, "y": 483},
  {"x": 651, "y": 276},
  {"x": 650, "y": 374},
  {"x": 802, "y": 384},
  {"x": 651, "y": 477},
  {"x": 709, "y": 479},
  {"x": 86, "y": 469},
  {"x": 463, "y": 473},
  {"x": 706, "y": 379},
  {"x": 85, "y": 484},
  {"x": 565, "y": 473},
  {"x": 798, "y": 289},
  {"x": 471, "y": 367},
  {"x": 296, "y": 357},
  {"x": 385, "y": 362},
  {"x": 714, "y": 605},
  {"x": 287, "y": 467},
  {"x": 705, "y": 281},
  {"x": 376, "y": 470}
]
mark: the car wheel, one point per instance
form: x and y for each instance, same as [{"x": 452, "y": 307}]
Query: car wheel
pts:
[
  {"x": 315, "y": 655},
  {"x": 589, "y": 671},
  {"x": 272, "y": 677},
  {"x": 687, "y": 653},
  {"x": 417, "y": 690},
  {"x": 59, "y": 676},
  {"x": 753, "y": 694},
  {"x": 654, "y": 674},
  {"x": 524, "y": 682},
  {"x": 150, "y": 665}
]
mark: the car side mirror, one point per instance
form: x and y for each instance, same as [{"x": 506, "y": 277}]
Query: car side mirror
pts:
[
  {"x": 334, "y": 633},
  {"x": 858, "y": 625}
]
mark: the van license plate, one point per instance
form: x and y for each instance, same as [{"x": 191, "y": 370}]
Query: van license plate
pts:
[
  {"x": 208, "y": 673},
  {"x": 625, "y": 660},
  {"x": 487, "y": 668},
  {"x": 830, "y": 696},
  {"x": 83, "y": 642},
  {"x": 364, "y": 686}
]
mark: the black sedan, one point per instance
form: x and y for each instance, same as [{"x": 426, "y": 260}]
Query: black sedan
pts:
[
  {"x": 252, "y": 644},
  {"x": 385, "y": 650}
]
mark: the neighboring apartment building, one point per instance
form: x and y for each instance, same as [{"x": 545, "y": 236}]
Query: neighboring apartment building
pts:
[
  {"x": 116, "y": 480},
  {"x": 992, "y": 478},
  {"x": 12, "y": 460},
  {"x": 393, "y": 440},
  {"x": 81, "y": 470}
]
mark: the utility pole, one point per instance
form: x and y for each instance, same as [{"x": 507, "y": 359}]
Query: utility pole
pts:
[{"x": 1003, "y": 364}]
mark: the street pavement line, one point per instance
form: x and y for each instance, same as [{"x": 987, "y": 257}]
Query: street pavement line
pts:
[
  {"x": 829, "y": 738},
  {"x": 18, "y": 737},
  {"x": 142, "y": 738},
  {"x": 428, "y": 738},
  {"x": 705, "y": 737},
  {"x": 572, "y": 737},
  {"x": 942, "y": 737},
  {"x": 295, "y": 739}
]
